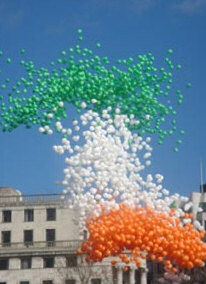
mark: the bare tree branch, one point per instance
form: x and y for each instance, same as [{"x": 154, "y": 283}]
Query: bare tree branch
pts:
[{"x": 84, "y": 271}]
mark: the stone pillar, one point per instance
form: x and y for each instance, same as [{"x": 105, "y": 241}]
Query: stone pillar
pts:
[
  {"x": 14, "y": 263},
  {"x": 119, "y": 275},
  {"x": 143, "y": 276},
  {"x": 132, "y": 275}
]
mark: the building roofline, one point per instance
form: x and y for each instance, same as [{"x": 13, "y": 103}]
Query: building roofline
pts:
[{"x": 32, "y": 199}]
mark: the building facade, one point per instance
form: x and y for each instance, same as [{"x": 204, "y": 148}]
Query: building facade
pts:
[
  {"x": 39, "y": 238},
  {"x": 199, "y": 201}
]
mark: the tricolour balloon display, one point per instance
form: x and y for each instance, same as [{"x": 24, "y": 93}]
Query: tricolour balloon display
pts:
[{"x": 128, "y": 213}]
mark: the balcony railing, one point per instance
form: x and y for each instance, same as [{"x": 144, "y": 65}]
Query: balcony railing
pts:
[
  {"x": 31, "y": 199},
  {"x": 71, "y": 245}
]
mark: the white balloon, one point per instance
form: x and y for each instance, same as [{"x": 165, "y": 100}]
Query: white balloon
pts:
[{"x": 61, "y": 104}]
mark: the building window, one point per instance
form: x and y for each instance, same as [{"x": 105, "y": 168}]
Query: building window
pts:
[
  {"x": 203, "y": 206},
  {"x": 50, "y": 237},
  {"x": 4, "y": 264},
  {"x": 29, "y": 215},
  {"x": 70, "y": 281},
  {"x": 51, "y": 214},
  {"x": 71, "y": 260},
  {"x": 25, "y": 262},
  {"x": 49, "y": 262},
  {"x": 85, "y": 234},
  {"x": 6, "y": 238},
  {"x": 160, "y": 268},
  {"x": 6, "y": 216},
  {"x": 28, "y": 237},
  {"x": 96, "y": 281},
  {"x": 24, "y": 282},
  {"x": 47, "y": 282}
]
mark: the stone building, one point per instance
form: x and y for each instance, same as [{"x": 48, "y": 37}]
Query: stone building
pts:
[
  {"x": 39, "y": 238},
  {"x": 199, "y": 201}
]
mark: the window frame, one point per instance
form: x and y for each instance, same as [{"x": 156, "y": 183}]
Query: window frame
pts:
[
  {"x": 29, "y": 262},
  {"x": 6, "y": 244},
  {"x": 73, "y": 281},
  {"x": 26, "y": 218},
  {"x": 96, "y": 280},
  {"x": 51, "y": 217},
  {"x": 7, "y": 260},
  {"x": 29, "y": 242},
  {"x": 52, "y": 242},
  {"x": 4, "y": 216},
  {"x": 45, "y": 259},
  {"x": 71, "y": 262},
  {"x": 203, "y": 206},
  {"x": 85, "y": 235}
]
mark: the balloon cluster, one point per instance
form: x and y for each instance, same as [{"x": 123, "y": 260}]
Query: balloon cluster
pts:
[
  {"x": 144, "y": 232},
  {"x": 124, "y": 209},
  {"x": 85, "y": 79},
  {"x": 104, "y": 164}
]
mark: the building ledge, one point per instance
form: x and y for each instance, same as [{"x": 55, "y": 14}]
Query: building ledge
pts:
[
  {"x": 32, "y": 199},
  {"x": 38, "y": 248}
]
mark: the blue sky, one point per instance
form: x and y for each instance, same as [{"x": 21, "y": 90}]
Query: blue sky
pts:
[{"x": 125, "y": 28}]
